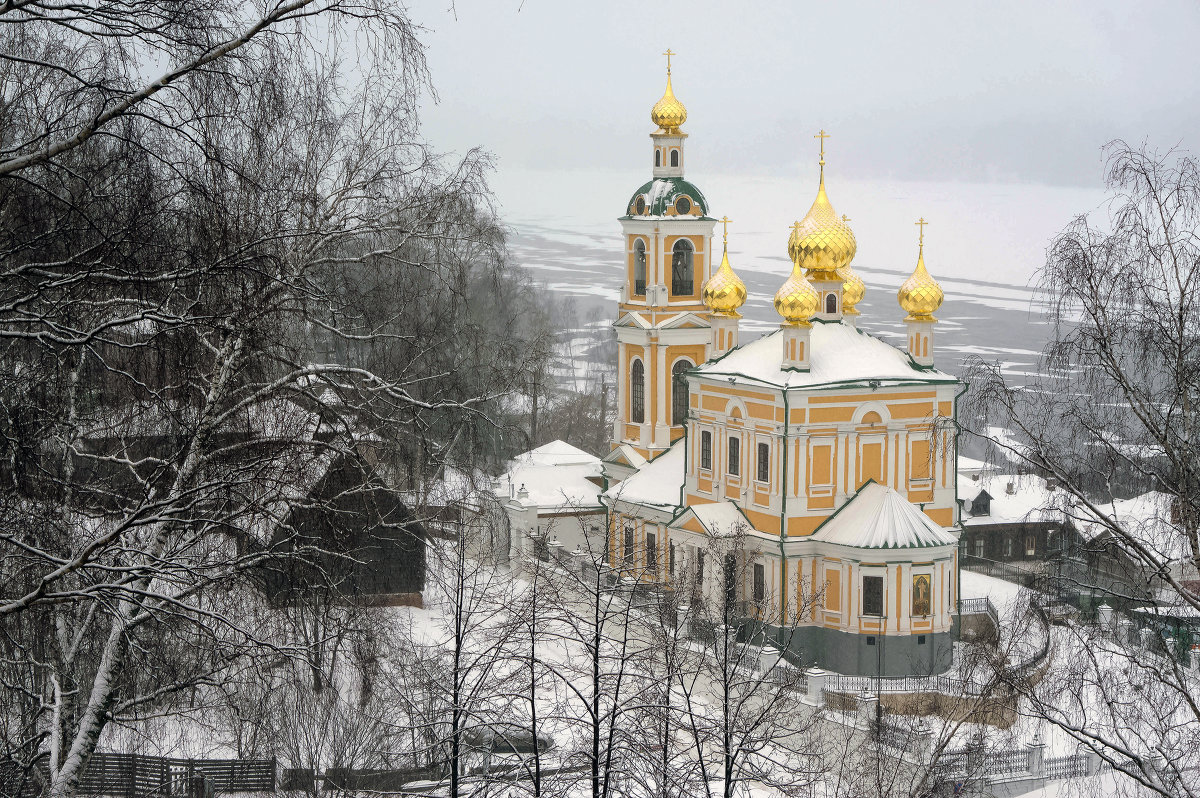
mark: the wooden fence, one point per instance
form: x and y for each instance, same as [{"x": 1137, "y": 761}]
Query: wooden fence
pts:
[{"x": 140, "y": 776}]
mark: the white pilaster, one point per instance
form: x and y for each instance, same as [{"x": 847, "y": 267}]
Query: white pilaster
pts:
[
  {"x": 920, "y": 341},
  {"x": 797, "y": 340}
]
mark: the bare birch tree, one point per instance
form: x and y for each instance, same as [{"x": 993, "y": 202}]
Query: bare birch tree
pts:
[
  {"x": 182, "y": 358},
  {"x": 1114, "y": 415}
]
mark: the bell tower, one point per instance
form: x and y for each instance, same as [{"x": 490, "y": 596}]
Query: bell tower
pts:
[{"x": 663, "y": 328}]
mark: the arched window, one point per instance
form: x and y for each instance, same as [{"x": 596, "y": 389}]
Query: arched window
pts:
[
  {"x": 639, "y": 268},
  {"x": 681, "y": 268},
  {"x": 679, "y": 392},
  {"x": 658, "y": 157},
  {"x": 674, "y": 157},
  {"x": 831, "y": 303},
  {"x": 637, "y": 393}
]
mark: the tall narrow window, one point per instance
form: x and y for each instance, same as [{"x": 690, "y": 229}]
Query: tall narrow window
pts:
[
  {"x": 872, "y": 595},
  {"x": 760, "y": 583},
  {"x": 706, "y": 450},
  {"x": 639, "y": 267},
  {"x": 1030, "y": 545},
  {"x": 671, "y": 561},
  {"x": 681, "y": 268},
  {"x": 651, "y": 553},
  {"x": 735, "y": 455},
  {"x": 679, "y": 392},
  {"x": 700, "y": 566},
  {"x": 764, "y": 462},
  {"x": 637, "y": 393},
  {"x": 674, "y": 157},
  {"x": 658, "y": 157},
  {"x": 831, "y": 303},
  {"x": 627, "y": 552}
]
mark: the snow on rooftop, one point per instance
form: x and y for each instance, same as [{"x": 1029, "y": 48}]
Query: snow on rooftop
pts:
[
  {"x": 1031, "y": 500},
  {"x": 656, "y": 484},
  {"x": 972, "y": 467},
  {"x": 880, "y": 518},
  {"x": 840, "y": 354},
  {"x": 555, "y": 453},
  {"x": 720, "y": 518},
  {"x": 1146, "y": 519},
  {"x": 566, "y": 488},
  {"x": 555, "y": 475}
]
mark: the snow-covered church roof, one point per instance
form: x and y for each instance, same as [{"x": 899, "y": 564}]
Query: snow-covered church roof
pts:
[
  {"x": 880, "y": 518},
  {"x": 657, "y": 484},
  {"x": 839, "y": 355},
  {"x": 556, "y": 477},
  {"x": 555, "y": 453}
]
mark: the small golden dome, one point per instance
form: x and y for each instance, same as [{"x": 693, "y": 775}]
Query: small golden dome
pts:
[
  {"x": 724, "y": 292},
  {"x": 853, "y": 289},
  {"x": 796, "y": 300},
  {"x": 920, "y": 295},
  {"x": 668, "y": 113},
  {"x": 794, "y": 242}
]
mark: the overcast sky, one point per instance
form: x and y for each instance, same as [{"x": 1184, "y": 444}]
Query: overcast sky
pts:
[
  {"x": 928, "y": 91},
  {"x": 986, "y": 118}
]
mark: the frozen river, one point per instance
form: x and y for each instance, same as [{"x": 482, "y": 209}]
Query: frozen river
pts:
[{"x": 985, "y": 244}]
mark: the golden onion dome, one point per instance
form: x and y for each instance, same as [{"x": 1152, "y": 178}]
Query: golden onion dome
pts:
[
  {"x": 824, "y": 243},
  {"x": 796, "y": 300},
  {"x": 794, "y": 242},
  {"x": 724, "y": 292},
  {"x": 920, "y": 295},
  {"x": 853, "y": 289},
  {"x": 668, "y": 113}
]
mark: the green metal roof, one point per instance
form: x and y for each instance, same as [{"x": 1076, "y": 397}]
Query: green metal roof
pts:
[{"x": 661, "y": 194}]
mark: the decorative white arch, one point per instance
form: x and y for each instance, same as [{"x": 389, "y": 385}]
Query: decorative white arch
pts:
[{"x": 878, "y": 408}]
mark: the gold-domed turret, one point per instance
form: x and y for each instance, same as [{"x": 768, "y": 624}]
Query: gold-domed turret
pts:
[
  {"x": 796, "y": 300},
  {"x": 668, "y": 113},
  {"x": 824, "y": 242},
  {"x": 724, "y": 292},
  {"x": 853, "y": 288},
  {"x": 920, "y": 295}
]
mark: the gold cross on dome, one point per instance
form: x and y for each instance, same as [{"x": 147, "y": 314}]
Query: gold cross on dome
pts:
[
  {"x": 921, "y": 223},
  {"x": 668, "y": 54},
  {"x": 822, "y": 136},
  {"x": 845, "y": 218},
  {"x": 725, "y": 228}
]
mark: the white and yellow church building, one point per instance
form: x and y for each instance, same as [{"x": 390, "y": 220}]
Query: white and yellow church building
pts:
[{"x": 817, "y": 453}]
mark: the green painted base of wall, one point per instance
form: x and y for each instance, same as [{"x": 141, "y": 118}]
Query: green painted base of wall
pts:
[{"x": 849, "y": 654}]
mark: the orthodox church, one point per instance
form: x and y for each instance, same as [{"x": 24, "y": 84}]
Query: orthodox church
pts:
[
  {"x": 816, "y": 451},
  {"x": 808, "y": 476}
]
